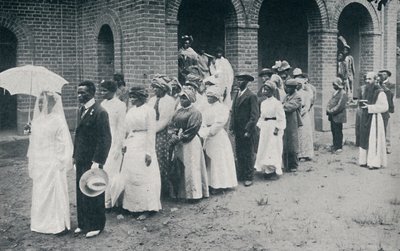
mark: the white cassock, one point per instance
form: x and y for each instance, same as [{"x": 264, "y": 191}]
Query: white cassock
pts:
[
  {"x": 376, "y": 156},
  {"x": 270, "y": 147},
  {"x": 223, "y": 71},
  {"x": 219, "y": 154},
  {"x": 306, "y": 142},
  {"x": 116, "y": 110}
]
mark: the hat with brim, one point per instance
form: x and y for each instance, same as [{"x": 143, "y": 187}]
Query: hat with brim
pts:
[
  {"x": 297, "y": 72},
  {"x": 265, "y": 72},
  {"x": 338, "y": 82},
  {"x": 277, "y": 65},
  {"x": 93, "y": 182},
  {"x": 386, "y": 71},
  {"x": 244, "y": 76},
  {"x": 284, "y": 66},
  {"x": 291, "y": 82}
]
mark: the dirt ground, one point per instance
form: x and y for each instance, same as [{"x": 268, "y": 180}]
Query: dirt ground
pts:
[{"x": 329, "y": 204}]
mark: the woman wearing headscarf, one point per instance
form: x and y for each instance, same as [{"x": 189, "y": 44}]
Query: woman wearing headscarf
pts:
[
  {"x": 49, "y": 159},
  {"x": 188, "y": 174},
  {"x": 140, "y": 167},
  {"x": 218, "y": 150},
  {"x": 164, "y": 106},
  {"x": 272, "y": 123},
  {"x": 187, "y": 57}
]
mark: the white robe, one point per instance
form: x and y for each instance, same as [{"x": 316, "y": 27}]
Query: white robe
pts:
[
  {"x": 270, "y": 147},
  {"x": 143, "y": 183},
  {"x": 376, "y": 156},
  {"x": 50, "y": 157},
  {"x": 116, "y": 110},
  {"x": 306, "y": 143},
  {"x": 223, "y": 71},
  {"x": 220, "y": 161}
]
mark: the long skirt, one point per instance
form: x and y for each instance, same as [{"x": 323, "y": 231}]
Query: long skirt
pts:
[
  {"x": 306, "y": 142},
  {"x": 162, "y": 147}
]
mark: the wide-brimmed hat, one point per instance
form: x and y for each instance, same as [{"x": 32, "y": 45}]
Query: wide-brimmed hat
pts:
[
  {"x": 265, "y": 71},
  {"x": 387, "y": 72},
  {"x": 297, "y": 72},
  {"x": 338, "y": 82},
  {"x": 93, "y": 182},
  {"x": 245, "y": 76},
  {"x": 284, "y": 66}
]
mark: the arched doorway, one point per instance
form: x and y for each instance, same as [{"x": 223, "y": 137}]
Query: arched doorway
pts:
[
  {"x": 206, "y": 21},
  {"x": 355, "y": 22},
  {"x": 282, "y": 33},
  {"x": 8, "y": 59},
  {"x": 105, "y": 53}
]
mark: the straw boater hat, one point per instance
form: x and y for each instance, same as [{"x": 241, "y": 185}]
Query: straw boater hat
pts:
[
  {"x": 93, "y": 182},
  {"x": 245, "y": 76}
]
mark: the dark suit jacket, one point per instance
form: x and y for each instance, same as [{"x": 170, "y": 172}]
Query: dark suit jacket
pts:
[
  {"x": 245, "y": 113},
  {"x": 336, "y": 109},
  {"x": 92, "y": 136}
]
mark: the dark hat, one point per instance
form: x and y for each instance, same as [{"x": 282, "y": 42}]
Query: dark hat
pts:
[
  {"x": 387, "y": 72},
  {"x": 109, "y": 85},
  {"x": 291, "y": 82},
  {"x": 265, "y": 71},
  {"x": 245, "y": 77}
]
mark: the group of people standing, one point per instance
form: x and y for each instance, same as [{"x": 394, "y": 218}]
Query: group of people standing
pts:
[{"x": 176, "y": 143}]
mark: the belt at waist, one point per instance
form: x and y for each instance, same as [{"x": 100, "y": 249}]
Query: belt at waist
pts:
[{"x": 266, "y": 119}]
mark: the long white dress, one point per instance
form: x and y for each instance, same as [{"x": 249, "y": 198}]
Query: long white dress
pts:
[
  {"x": 220, "y": 161},
  {"x": 376, "y": 156},
  {"x": 116, "y": 110},
  {"x": 306, "y": 142},
  {"x": 143, "y": 184},
  {"x": 223, "y": 70},
  {"x": 50, "y": 157},
  {"x": 270, "y": 147}
]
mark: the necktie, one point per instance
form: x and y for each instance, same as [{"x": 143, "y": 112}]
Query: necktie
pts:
[
  {"x": 82, "y": 111},
  {"x": 156, "y": 107}
]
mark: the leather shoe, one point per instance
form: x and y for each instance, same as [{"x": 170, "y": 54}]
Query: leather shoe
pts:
[
  {"x": 248, "y": 183},
  {"x": 77, "y": 231},
  {"x": 92, "y": 233}
]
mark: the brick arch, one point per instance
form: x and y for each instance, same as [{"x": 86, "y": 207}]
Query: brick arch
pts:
[
  {"x": 317, "y": 17},
  {"x": 26, "y": 45},
  {"x": 110, "y": 17},
  {"x": 373, "y": 15},
  {"x": 172, "y": 9}
]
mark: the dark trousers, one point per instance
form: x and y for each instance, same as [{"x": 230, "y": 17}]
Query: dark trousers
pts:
[
  {"x": 245, "y": 158},
  {"x": 337, "y": 135},
  {"x": 290, "y": 160},
  {"x": 91, "y": 210}
]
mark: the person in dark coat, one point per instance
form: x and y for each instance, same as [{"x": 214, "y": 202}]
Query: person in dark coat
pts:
[
  {"x": 292, "y": 107},
  {"x": 245, "y": 113},
  {"x": 91, "y": 147},
  {"x": 336, "y": 111}
]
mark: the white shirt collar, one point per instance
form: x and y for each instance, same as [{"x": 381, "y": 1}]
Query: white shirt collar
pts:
[
  {"x": 241, "y": 92},
  {"x": 387, "y": 80},
  {"x": 89, "y": 103}
]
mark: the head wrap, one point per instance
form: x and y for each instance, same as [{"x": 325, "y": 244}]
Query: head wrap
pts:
[
  {"x": 162, "y": 82},
  {"x": 214, "y": 91},
  {"x": 189, "y": 93},
  {"x": 111, "y": 86},
  {"x": 270, "y": 84},
  {"x": 139, "y": 91}
]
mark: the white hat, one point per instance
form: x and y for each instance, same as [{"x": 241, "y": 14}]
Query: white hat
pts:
[{"x": 93, "y": 182}]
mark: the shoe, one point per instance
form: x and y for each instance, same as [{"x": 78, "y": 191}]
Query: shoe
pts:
[
  {"x": 271, "y": 176},
  {"x": 248, "y": 183},
  {"x": 388, "y": 150},
  {"x": 364, "y": 165},
  {"x": 64, "y": 232},
  {"x": 293, "y": 170},
  {"x": 373, "y": 168},
  {"x": 92, "y": 234},
  {"x": 338, "y": 151},
  {"x": 77, "y": 231}
]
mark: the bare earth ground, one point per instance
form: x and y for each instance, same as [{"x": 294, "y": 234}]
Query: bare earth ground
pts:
[{"x": 329, "y": 204}]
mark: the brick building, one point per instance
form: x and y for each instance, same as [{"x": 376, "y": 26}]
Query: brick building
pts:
[{"x": 92, "y": 39}]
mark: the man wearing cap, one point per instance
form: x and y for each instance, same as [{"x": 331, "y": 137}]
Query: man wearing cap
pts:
[
  {"x": 336, "y": 111},
  {"x": 116, "y": 110},
  {"x": 372, "y": 130},
  {"x": 389, "y": 90},
  {"x": 292, "y": 107},
  {"x": 245, "y": 113},
  {"x": 221, "y": 68},
  {"x": 91, "y": 147}
]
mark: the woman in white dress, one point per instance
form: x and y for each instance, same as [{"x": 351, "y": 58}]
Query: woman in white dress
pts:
[
  {"x": 219, "y": 157},
  {"x": 50, "y": 157},
  {"x": 272, "y": 123},
  {"x": 140, "y": 167}
]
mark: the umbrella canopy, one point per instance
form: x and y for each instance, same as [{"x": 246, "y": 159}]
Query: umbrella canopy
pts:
[{"x": 31, "y": 80}]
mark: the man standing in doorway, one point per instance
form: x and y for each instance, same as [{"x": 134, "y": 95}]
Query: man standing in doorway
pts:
[
  {"x": 372, "y": 131},
  {"x": 245, "y": 113},
  {"x": 91, "y": 147}
]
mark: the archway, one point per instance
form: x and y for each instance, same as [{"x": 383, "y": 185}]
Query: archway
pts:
[
  {"x": 282, "y": 34},
  {"x": 206, "y": 21},
  {"x": 8, "y": 59},
  {"x": 355, "y": 24},
  {"x": 105, "y": 53}
]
